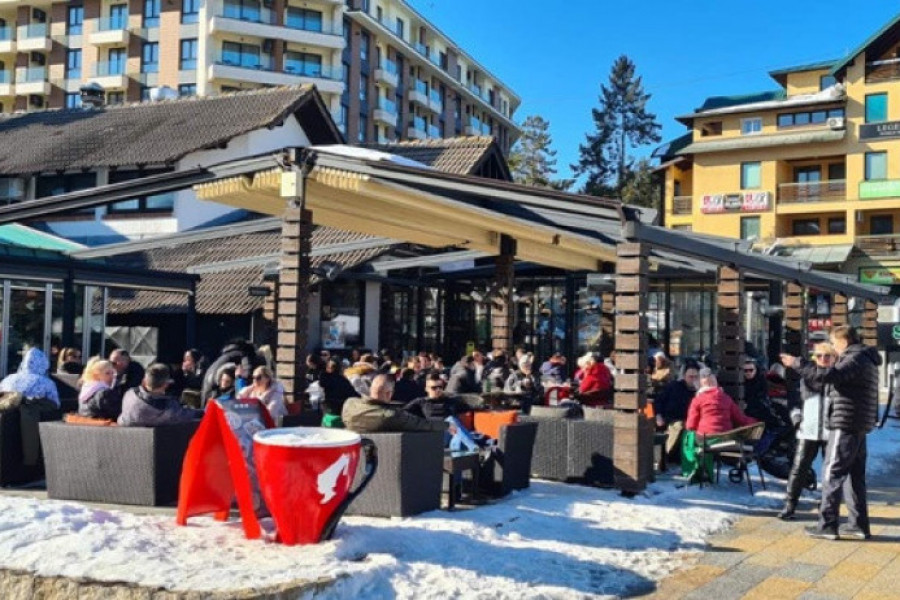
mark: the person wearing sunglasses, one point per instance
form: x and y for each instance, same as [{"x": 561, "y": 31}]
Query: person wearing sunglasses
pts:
[
  {"x": 756, "y": 396},
  {"x": 269, "y": 391},
  {"x": 811, "y": 433},
  {"x": 436, "y": 404}
]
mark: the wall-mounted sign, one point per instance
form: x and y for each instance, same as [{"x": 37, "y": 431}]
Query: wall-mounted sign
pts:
[
  {"x": 878, "y": 131},
  {"x": 884, "y": 188},
  {"x": 880, "y": 275},
  {"x": 731, "y": 203}
]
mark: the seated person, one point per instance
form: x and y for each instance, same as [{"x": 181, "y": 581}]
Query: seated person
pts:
[
  {"x": 70, "y": 361},
  {"x": 31, "y": 379},
  {"x": 463, "y": 377},
  {"x": 526, "y": 383},
  {"x": 596, "y": 381},
  {"x": 98, "y": 399},
  {"x": 148, "y": 405},
  {"x": 268, "y": 390},
  {"x": 129, "y": 373},
  {"x": 436, "y": 404},
  {"x": 407, "y": 388},
  {"x": 671, "y": 408},
  {"x": 712, "y": 410},
  {"x": 554, "y": 369},
  {"x": 225, "y": 384},
  {"x": 335, "y": 390},
  {"x": 372, "y": 414}
]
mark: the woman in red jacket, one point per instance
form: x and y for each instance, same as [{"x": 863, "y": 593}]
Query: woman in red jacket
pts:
[
  {"x": 712, "y": 410},
  {"x": 596, "y": 382}
]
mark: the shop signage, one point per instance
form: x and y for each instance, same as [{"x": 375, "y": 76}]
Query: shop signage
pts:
[
  {"x": 880, "y": 275},
  {"x": 888, "y": 335},
  {"x": 731, "y": 203},
  {"x": 878, "y": 131},
  {"x": 885, "y": 188}
]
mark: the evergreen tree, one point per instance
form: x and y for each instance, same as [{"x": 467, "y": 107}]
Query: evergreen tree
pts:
[
  {"x": 622, "y": 124},
  {"x": 532, "y": 161},
  {"x": 639, "y": 187}
]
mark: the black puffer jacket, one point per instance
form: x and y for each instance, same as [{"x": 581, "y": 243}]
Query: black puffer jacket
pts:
[{"x": 853, "y": 388}]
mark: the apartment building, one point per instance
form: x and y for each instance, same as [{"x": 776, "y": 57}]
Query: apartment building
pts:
[
  {"x": 810, "y": 169},
  {"x": 385, "y": 72}
]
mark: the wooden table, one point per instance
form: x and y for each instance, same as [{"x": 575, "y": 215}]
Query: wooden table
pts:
[{"x": 454, "y": 465}]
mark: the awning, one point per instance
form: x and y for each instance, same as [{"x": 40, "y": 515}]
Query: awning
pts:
[
  {"x": 818, "y": 255},
  {"x": 764, "y": 141}
]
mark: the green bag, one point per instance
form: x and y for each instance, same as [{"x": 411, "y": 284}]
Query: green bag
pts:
[{"x": 690, "y": 465}]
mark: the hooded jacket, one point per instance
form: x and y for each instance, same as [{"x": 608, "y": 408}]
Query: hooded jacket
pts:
[
  {"x": 31, "y": 378},
  {"x": 852, "y": 385}
]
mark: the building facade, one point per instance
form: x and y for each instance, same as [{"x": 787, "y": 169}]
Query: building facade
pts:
[
  {"x": 811, "y": 169},
  {"x": 384, "y": 71}
]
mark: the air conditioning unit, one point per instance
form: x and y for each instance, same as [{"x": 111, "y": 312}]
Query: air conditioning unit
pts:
[
  {"x": 38, "y": 59},
  {"x": 268, "y": 46},
  {"x": 36, "y": 101},
  {"x": 12, "y": 189},
  {"x": 836, "y": 122}
]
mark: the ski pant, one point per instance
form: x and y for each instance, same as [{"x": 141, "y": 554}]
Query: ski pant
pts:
[
  {"x": 803, "y": 460},
  {"x": 844, "y": 475}
]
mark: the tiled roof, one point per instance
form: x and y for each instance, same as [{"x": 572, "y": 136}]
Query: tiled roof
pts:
[
  {"x": 223, "y": 291},
  {"x": 887, "y": 31},
  {"x": 152, "y": 132},
  {"x": 780, "y": 75},
  {"x": 459, "y": 155}
]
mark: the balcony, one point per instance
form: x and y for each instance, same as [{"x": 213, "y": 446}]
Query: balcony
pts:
[
  {"x": 302, "y": 33},
  {"x": 879, "y": 244},
  {"x": 433, "y": 131},
  {"x": 419, "y": 93},
  {"x": 328, "y": 80},
  {"x": 834, "y": 190},
  {"x": 883, "y": 70},
  {"x": 110, "y": 75},
  {"x": 417, "y": 129},
  {"x": 435, "y": 102},
  {"x": 476, "y": 127},
  {"x": 6, "y": 83},
  {"x": 110, "y": 31},
  {"x": 386, "y": 112},
  {"x": 682, "y": 205},
  {"x": 421, "y": 49},
  {"x": 32, "y": 80},
  {"x": 7, "y": 40},
  {"x": 33, "y": 38},
  {"x": 263, "y": 25},
  {"x": 387, "y": 74}
]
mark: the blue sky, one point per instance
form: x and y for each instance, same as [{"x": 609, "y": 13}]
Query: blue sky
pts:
[{"x": 555, "y": 59}]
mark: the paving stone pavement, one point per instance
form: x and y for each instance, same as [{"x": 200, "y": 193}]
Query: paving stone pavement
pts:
[{"x": 767, "y": 559}]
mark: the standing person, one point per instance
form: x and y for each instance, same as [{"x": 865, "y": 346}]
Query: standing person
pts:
[
  {"x": 662, "y": 374},
  {"x": 853, "y": 392},
  {"x": 811, "y": 433},
  {"x": 671, "y": 408},
  {"x": 129, "y": 373},
  {"x": 268, "y": 390}
]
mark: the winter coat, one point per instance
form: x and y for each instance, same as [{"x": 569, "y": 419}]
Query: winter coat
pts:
[
  {"x": 852, "y": 389},
  {"x": 814, "y": 405},
  {"x": 272, "y": 398},
  {"x": 407, "y": 390},
  {"x": 554, "y": 370},
  {"x": 31, "y": 379},
  {"x": 360, "y": 377},
  {"x": 364, "y": 415},
  {"x": 99, "y": 401},
  {"x": 757, "y": 402},
  {"x": 595, "y": 378},
  {"x": 462, "y": 380},
  {"x": 141, "y": 408},
  {"x": 673, "y": 401},
  {"x": 713, "y": 411},
  {"x": 232, "y": 353},
  {"x": 132, "y": 377},
  {"x": 336, "y": 389},
  {"x": 520, "y": 383}
]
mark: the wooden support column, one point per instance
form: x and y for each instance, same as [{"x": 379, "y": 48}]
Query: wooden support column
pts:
[
  {"x": 607, "y": 323},
  {"x": 293, "y": 300},
  {"x": 633, "y": 431},
  {"x": 839, "y": 311},
  {"x": 729, "y": 318},
  {"x": 794, "y": 332},
  {"x": 869, "y": 330},
  {"x": 502, "y": 303}
]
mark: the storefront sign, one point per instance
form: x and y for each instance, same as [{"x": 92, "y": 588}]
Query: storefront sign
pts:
[
  {"x": 730, "y": 203},
  {"x": 880, "y": 275},
  {"x": 885, "y": 188},
  {"x": 879, "y": 131}
]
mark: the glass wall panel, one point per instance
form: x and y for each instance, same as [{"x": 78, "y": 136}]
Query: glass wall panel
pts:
[
  {"x": 342, "y": 309},
  {"x": 588, "y": 316},
  {"x": 693, "y": 322},
  {"x": 27, "y": 312}
]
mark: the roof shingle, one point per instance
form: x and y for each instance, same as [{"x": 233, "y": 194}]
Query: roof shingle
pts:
[{"x": 459, "y": 155}]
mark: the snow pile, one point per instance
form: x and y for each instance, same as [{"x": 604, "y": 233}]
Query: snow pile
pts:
[{"x": 551, "y": 541}]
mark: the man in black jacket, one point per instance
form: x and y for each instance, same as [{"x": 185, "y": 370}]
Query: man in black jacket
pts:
[{"x": 852, "y": 385}]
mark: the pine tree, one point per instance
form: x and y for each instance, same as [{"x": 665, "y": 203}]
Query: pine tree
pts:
[
  {"x": 639, "y": 187},
  {"x": 622, "y": 124},
  {"x": 532, "y": 160}
]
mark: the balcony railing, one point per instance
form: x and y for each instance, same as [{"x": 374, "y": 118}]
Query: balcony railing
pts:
[
  {"x": 435, "y": 97},
  {"x": 112, "y": 23},
  {"x": 421, "y": 87},
  {"x": 682, "y": 205},
  {"x": 317, "y": 71},
  {"x": 33, "y": 75},
  {"x": 883, "y": 70},
  {"x": 818, "y": 191},
  {"x": 5, "y": 77},
  {"x": 421, "y": 49},
  {"x": 7, "y": 34},
  {"x": 34, "y": 30},
  {"x": 388, "y": 106},
  {"x": 107, "y": 68},
  {"x": 389, "y": 66},
  {"x": 301, "y": 25},
  {"x": 419, "y": 123},
  {"x": 265, "y": 63},
  {"x": 248, "y": 14},
  {"x": 879, "y": 244}
]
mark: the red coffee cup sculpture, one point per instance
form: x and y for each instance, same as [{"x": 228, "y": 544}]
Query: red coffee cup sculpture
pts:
[{"x": 305, "y": 474}]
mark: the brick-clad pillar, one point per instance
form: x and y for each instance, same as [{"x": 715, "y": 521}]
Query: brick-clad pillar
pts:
[
  {"x": 869, "y": 330},
  {"x": 794, "y": 332},
  {"x": 838, "y": 310},
  {"x": 502, "y": 304},
  {"x": 729, "y": 318},
  {"x": 293, "y": 300},
  {"x": 633, "y": 431},
  {"x": 607, "y": 323}
]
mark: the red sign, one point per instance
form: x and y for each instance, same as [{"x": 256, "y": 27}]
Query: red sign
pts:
[{"x": 730, "y": 203}]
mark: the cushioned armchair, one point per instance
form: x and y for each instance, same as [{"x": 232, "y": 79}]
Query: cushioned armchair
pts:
[
  {"x": 116, "y": 465},
  {"x": 511, "y": 467},
  {"x": 15, "y": 469}
]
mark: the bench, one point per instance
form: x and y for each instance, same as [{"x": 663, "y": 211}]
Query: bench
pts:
[{"x": 735, "y": 447}]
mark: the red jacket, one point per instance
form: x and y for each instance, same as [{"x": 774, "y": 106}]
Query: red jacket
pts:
[
  {"x": 595, "y": 378},
  {"x": 713, "y": 411}
]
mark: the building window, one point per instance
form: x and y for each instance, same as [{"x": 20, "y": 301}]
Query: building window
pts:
[
  {"x": 750, "y": 176},
  {"x": 876, "y": 108},
  {"x": 837, "y": 225},
  {"x": 876, "y": 166},
  {"x": 190, "y": 11},
  {"x": 364, "y": 46},
  {"x": 158, "y": 203},
  {"x": 117, "y": 59},
  {"x": 301, "y": 63},
  {"x": 711, "y": 129},
  {"x": 749, "y": 228},
  {"x": 401, "y": 29},
  {"x": 379, "y": 14},
  {"x": 303, "y": 18},
  {"x": 748, "y": 126},
  {"x": 75, "y": 20},
  {"x": 363, "y": 127},
  {"x": 363, "y": 88},
  {"x": 54, "y": 185},
  {"x": 242, "y": 55},
  {"x": 118, "y": 16},
  {"x": 145, "y": 93},
  {"x": 73, "y": 64},
  {"x": 150, "y": 58},
  {"x": 115, "y": 98},
  {"x": 826, "y": 81},
  {"x": 188, "y": 59},
  {"x": 881, "y": 225},
  {"x": 187, "y": 89},
  {"x": 245, "y": 10},
  {"x": 816, "y": 117},
  {"x": 73, "y": 100},
  {"x": 683, "y": 227},
  {"x": 151, "y": 13},
  {"x": 805, "y": 227}
]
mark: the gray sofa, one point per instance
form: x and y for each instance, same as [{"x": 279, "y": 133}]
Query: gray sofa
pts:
[
  {"x": 116, "y": 465},
  {"x": 409, "y": 475}
]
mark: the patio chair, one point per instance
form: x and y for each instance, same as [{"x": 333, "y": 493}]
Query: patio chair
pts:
[
  {"x": 15, "y": 467},
  {"x": 510, "y": 468},
  {"x": 735, "y": 448}
]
